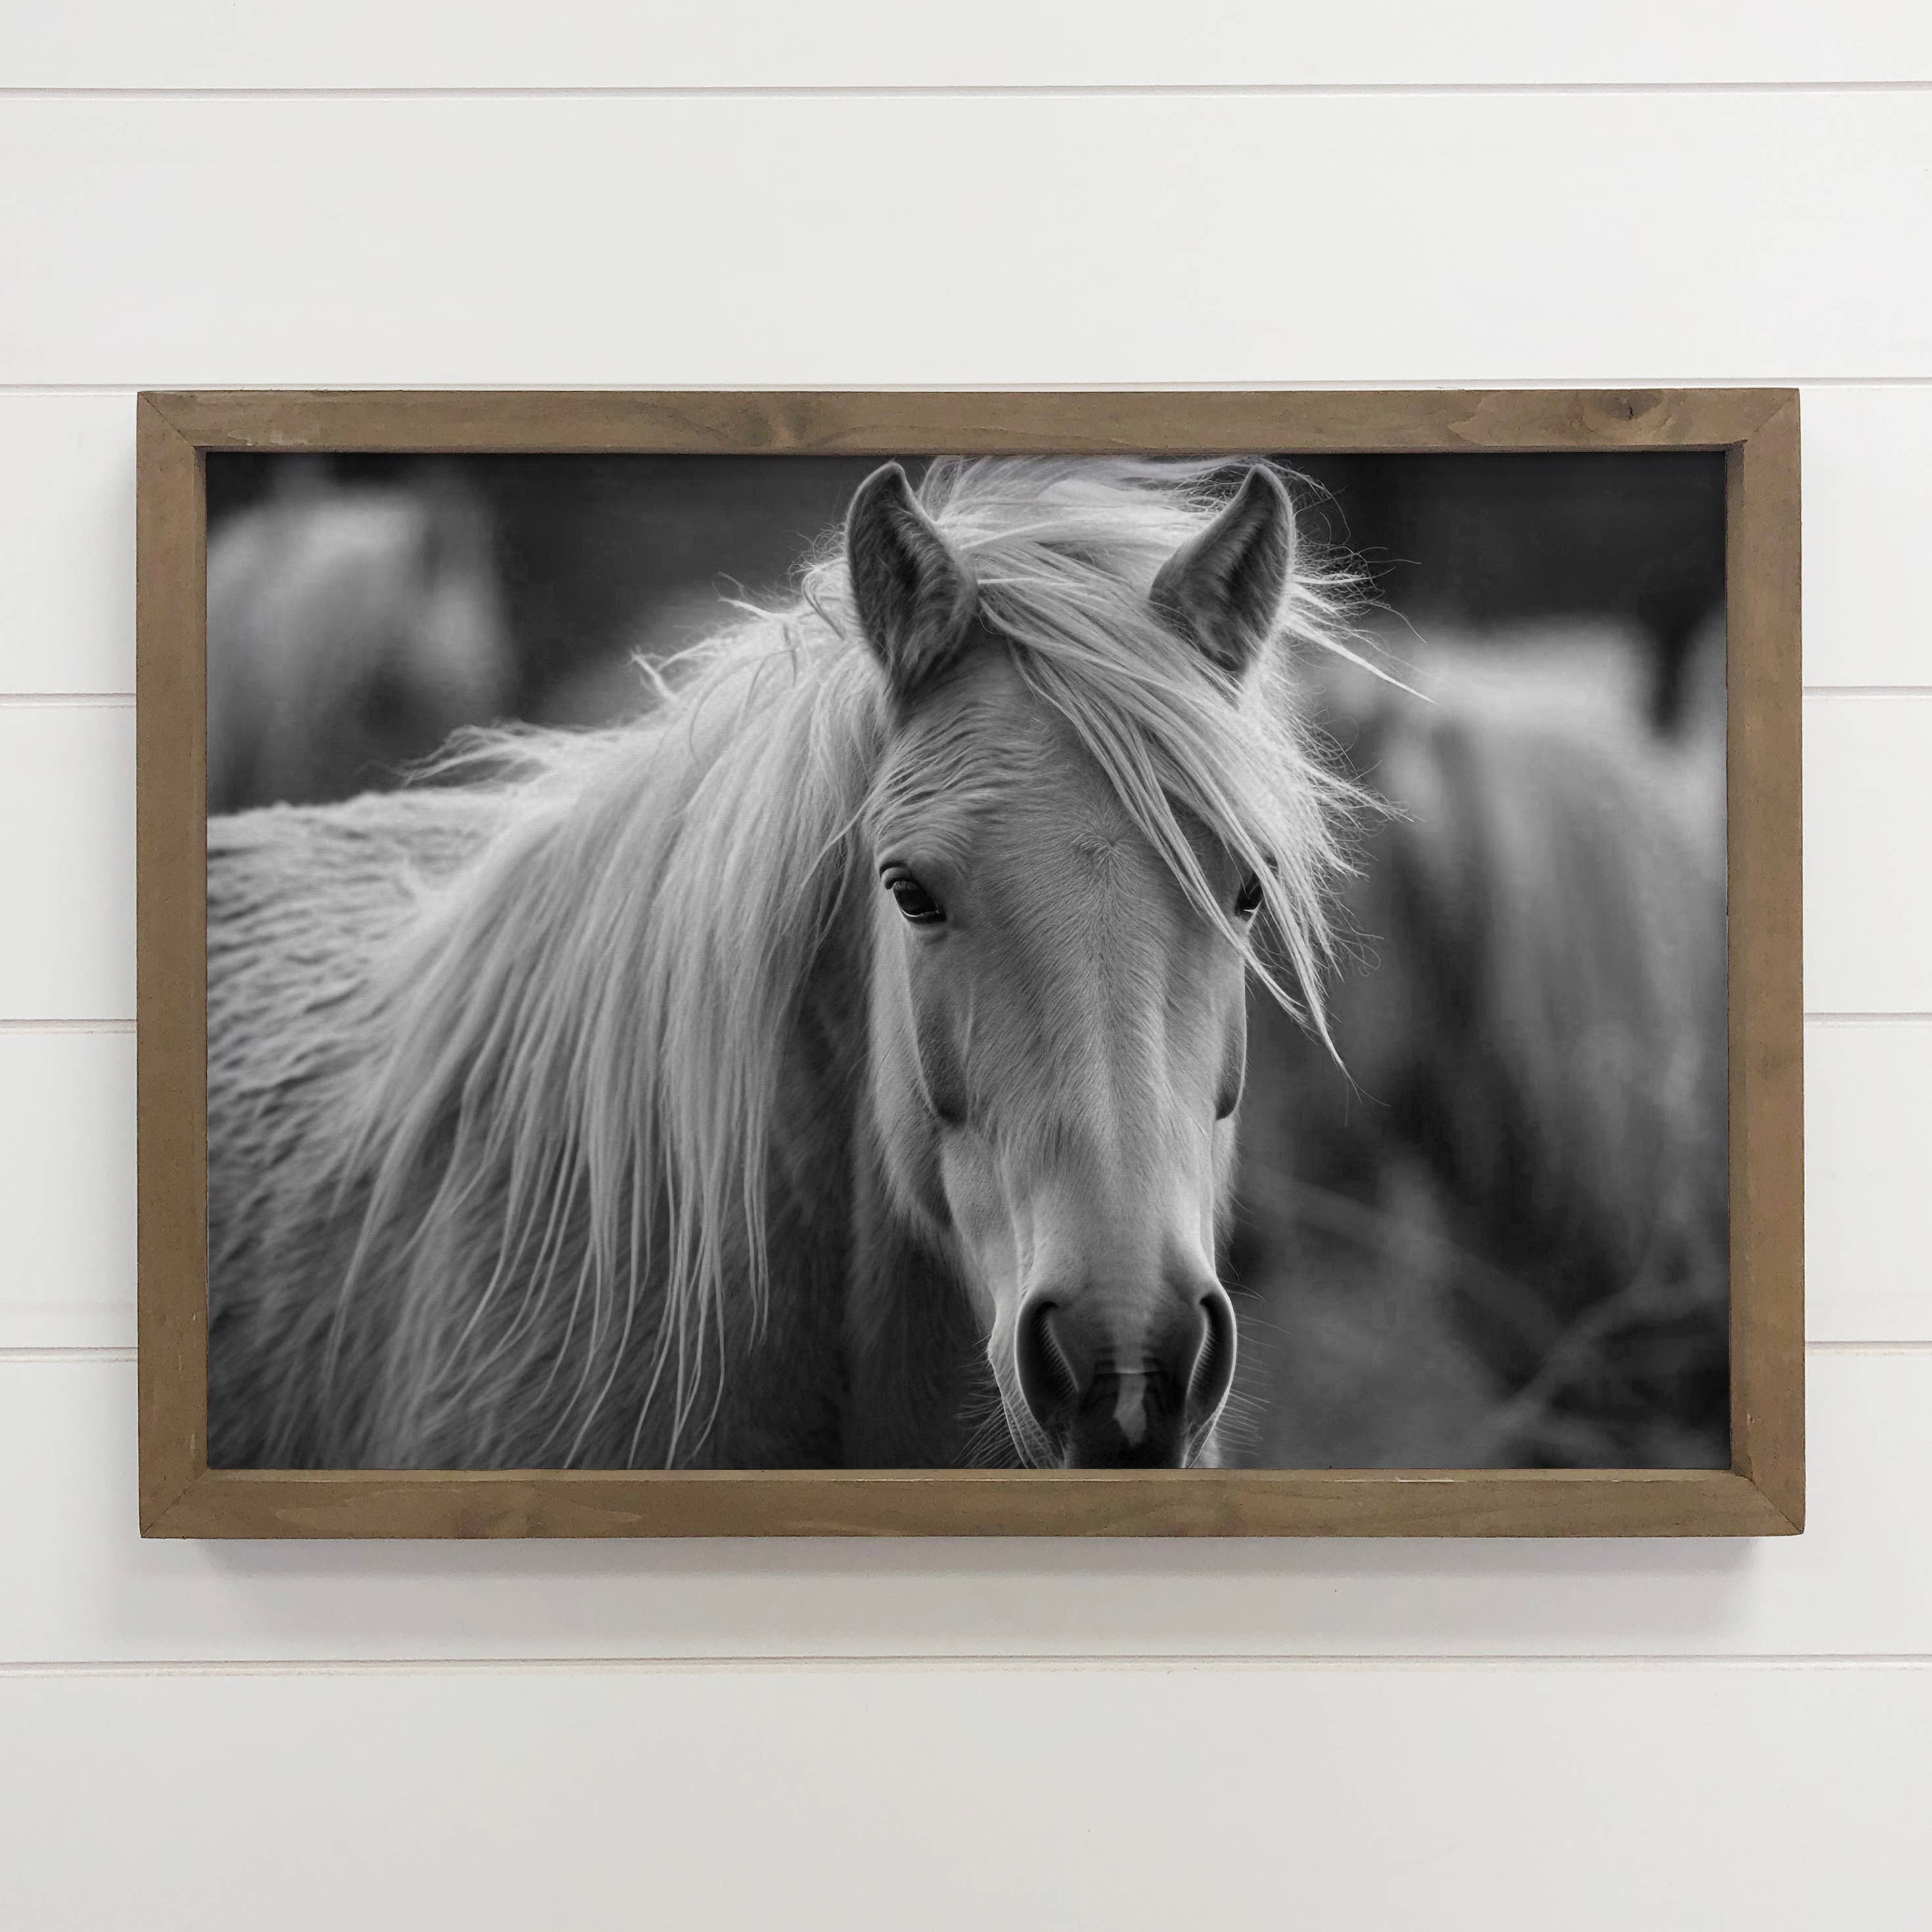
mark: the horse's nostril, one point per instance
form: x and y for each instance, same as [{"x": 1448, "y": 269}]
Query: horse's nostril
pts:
[
  {"x": 1213, "y": 1372},
  {"x": 1048, "y": 1379},
  {"x": 1118, "y": 1392}
]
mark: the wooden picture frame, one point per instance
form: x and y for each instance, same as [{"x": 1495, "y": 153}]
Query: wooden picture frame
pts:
[{"x": 1761, "y": 1494}]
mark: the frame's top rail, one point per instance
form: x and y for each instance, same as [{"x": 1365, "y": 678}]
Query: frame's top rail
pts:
[{"x": 969, "y": 422}]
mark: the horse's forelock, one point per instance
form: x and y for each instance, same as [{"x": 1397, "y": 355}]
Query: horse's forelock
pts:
[{"x": 1065, "y": 553}]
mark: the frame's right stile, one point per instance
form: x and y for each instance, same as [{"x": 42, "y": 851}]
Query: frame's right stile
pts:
[
  {"x": 1761, "y": 1494},
  {"x": 1766, "y": 954}
]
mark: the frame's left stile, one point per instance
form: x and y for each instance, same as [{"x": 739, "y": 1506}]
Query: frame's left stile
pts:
[{"x": 171, "y": 962}]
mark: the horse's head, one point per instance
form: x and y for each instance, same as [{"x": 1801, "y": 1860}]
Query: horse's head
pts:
[{"x": 1058, "y": 1015}]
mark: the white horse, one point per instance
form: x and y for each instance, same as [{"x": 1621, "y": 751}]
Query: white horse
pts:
[{"x": 838, "y": 1064}]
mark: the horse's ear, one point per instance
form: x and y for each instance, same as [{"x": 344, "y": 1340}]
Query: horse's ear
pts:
[
  {"x": 914, "y": 598},
  {"x": 1223, "y": 591}
]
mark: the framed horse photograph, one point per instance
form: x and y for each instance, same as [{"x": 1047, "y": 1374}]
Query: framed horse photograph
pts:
[{"x": 1166, "y": 963}]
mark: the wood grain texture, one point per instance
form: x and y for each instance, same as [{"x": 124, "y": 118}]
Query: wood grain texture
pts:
[
  {"x": 971, "y": 1502},
  {"x": 171, "y": 974},
  {"x": 1763, "y": 1493},
  {"x": 1766, "y": 961},
  {"x": 969, "y": 422}
]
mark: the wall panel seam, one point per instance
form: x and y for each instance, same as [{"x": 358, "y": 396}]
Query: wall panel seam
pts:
[
  {"x": 75, "y": 700},
  {"x": 33, "y": 1026},
  {"x": 987, "y": 91},
  {"x": 965, "y": 1663}
]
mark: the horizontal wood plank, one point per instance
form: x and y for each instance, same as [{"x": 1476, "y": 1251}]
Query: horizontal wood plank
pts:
[
  {"x": 1100, "y": 240},
  {"x": 1138, "y": 1799},
  {"x": 1866, "y": 1274},
  {"x": 66, "y": 543},
  {"x": 1867, "y": 801},
  {"x": 1868, "y": 515},
  {"x": 84, "y": 1588},
  {"x": 67, "y": 862},
  {"x": 67, "y": 1190},
  {"x": 860, "y": 44}
]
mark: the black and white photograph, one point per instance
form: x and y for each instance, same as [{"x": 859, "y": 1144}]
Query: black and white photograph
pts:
[{"x": 799, "y": 961}]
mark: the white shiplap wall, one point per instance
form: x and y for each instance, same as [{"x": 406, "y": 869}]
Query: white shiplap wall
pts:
[{"x": 1374, "y": 1734}]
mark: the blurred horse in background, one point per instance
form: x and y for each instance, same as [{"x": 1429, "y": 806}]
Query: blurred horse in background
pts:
[
  {"x": 1530, "y": 1135},
  {"x": 1487, "y": 545},
  {"x": 350, "y": 632}
]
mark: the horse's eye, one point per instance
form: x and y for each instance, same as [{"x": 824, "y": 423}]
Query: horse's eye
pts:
[
  {"x": 912, "y": 899},
  {"x": 1248, "y": 900}
]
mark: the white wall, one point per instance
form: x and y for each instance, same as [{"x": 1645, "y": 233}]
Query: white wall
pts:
[{"x": 1332, "y": 1735}]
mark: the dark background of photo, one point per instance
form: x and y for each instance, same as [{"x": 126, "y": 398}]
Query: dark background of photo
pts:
[{"x": 598, "y": 557}]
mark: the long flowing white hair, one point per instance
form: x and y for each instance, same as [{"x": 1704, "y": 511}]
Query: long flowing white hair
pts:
[{"x": 569, "y": 1091}]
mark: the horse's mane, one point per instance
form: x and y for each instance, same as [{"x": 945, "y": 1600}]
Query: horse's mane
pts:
[{"x": 570, "y": 1085}]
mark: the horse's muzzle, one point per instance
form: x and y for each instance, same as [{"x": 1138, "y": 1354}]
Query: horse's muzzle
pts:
[{"x": 1109, "y": 1392}]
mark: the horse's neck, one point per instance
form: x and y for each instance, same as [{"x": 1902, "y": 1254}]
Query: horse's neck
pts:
[
  {"x": 912, "y": 1362},
  {"x": 915, "y": 1367}
]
